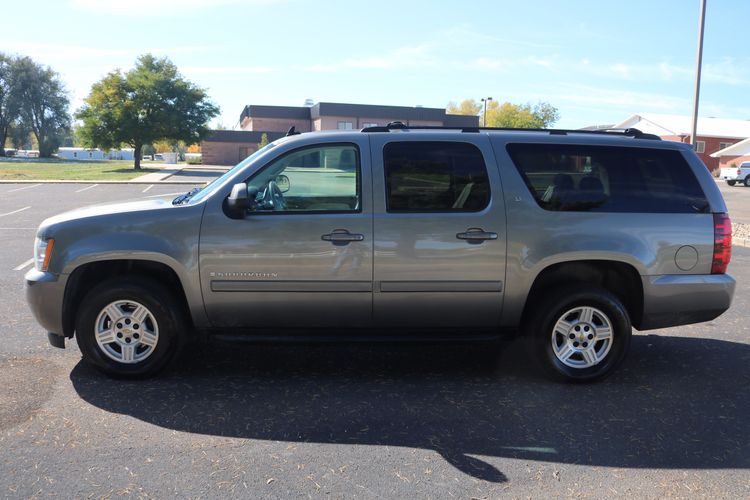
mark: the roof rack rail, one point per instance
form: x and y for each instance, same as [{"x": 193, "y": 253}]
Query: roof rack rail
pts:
[{"x": 627, "y": 132}]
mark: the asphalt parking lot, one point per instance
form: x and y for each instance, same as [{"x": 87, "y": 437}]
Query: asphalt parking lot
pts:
[
  {"x": 737, "y": 198},
  {"x": 369, "y": 421}
]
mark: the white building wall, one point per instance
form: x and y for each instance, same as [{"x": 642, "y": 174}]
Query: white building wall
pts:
[{"x": 94, "y": 154}]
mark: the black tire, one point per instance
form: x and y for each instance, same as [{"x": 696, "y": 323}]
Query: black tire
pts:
[
  {"x": 747, "y": 181},
  {"x": 162, "y": 306},
  {"x": 731, "y": 183},
  {"x": 553, "y": 307}
]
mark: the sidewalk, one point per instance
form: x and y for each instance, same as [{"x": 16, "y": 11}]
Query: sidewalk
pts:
[{"x": 154, "y": 177}]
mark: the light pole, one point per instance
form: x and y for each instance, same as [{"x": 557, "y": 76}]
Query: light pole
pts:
[
  {"x": 485, "y": 100},
  {"x": 698, "y": 62}
]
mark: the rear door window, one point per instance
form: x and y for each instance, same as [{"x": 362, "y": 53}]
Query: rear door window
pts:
[
  {"x": 608, "y": 179},
  {"x": 435, "y": 177}
]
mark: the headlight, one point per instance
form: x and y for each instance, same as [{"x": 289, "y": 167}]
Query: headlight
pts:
[{"x": 42, "y": 253}]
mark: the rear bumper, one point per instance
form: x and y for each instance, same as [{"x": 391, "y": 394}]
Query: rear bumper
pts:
[
  {"x": 673, "y": 300},
  {"x": 44, "y": 294}
]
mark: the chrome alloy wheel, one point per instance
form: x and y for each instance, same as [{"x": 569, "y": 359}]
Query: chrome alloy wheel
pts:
[
  {"x": 582, "y": 337},
  {"x": 126, "y": 331}
]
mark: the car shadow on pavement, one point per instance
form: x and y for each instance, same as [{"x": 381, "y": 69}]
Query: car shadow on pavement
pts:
[{"x": 677, "y": 402}]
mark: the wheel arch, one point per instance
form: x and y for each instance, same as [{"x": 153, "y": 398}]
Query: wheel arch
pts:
[
  {"x": 87, "y": 275},
  {"x": 620, "y": 278}
]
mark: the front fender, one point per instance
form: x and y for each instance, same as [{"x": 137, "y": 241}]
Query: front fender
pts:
[{"x": 168, "y": 237}]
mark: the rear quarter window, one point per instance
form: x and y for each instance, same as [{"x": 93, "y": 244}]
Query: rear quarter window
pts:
[{"x": 608, "y": 179}]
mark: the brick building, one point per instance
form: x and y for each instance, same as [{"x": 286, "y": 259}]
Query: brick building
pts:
[
  {"x": 225, "y": 147},
  {"x": 713, "y": 135},
  {"x": 229, "y": 147}
]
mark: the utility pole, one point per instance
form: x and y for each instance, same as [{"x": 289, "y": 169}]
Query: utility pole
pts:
[
  {"x": 699, "y": 61},
  {"x": 485, "y": 100}
]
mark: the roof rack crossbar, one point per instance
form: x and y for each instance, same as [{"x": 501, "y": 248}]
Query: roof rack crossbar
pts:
[{"x": 627, "y": 132}]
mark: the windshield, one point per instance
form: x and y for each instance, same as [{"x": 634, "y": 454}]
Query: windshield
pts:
[{"x": 201, "y": 193}]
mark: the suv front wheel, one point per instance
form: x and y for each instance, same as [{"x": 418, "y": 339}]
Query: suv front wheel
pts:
[
  {"x": 129, "y": 327},
  {"x": 580, "y": 334}
]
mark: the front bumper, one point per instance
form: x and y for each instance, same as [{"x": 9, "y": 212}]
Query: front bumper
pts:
[
  {"x": 45, "y": 293},
  {"x": 673, "y": 300}
]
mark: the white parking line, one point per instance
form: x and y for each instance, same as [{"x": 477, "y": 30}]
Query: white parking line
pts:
[
  {"x": 87, "y": 188},
  {"x": 22, "y": 188},
  {"x": 165, "y": 194},
  {"x": 24, "y": 265},
  {"x": 15, "y": 211},
  {"x": 146, "y": 190}
]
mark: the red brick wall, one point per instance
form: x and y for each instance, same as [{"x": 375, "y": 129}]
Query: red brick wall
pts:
[
  {"x": 274, "y": 124},
  {"x": 226, "y": 153},
  {"x": 726, "y": 161},
  {"x": 712, "y": 146}
]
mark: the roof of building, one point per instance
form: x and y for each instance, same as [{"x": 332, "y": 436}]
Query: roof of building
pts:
[
  {"x": 461, "y": 121},
  {"x": 741, "y": 148},
  {"x": 371, "y": 111},
  {"x": 241, "y": 136},
  {"x": 677, "y": 125},
  {"x": 375, "y": 111},
  {"x": 288, "y": 112},
  {"x": 606, "y": 126}
]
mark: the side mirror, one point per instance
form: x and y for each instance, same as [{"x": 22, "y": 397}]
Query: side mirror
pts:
[
  {"x": 238, "y": 201},
  {"x": 283, "y": 182}
]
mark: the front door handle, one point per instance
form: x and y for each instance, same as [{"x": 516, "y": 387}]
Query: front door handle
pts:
[
  {"x": 476, "y": 235},
  {"x": 342, "y": 236}
]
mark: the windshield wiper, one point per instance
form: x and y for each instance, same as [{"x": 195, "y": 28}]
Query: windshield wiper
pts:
[{"x": 185, "y": 197}]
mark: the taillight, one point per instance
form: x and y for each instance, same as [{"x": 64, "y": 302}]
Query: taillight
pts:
[
  {"x": 722, "y": 243},
  {"x": 739, "y": 172}
]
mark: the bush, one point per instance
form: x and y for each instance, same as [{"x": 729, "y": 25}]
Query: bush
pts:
[{"x": 193, "y": 160}]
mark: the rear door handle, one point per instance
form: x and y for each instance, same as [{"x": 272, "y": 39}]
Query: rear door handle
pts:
[
  {"x": 342, "y": 236},
  {"x": 476, "y": 235}
]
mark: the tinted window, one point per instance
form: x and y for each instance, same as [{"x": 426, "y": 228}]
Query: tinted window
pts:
[
  {"x": 435, "y": 177},
  {"x": 608, "y": 179},
  {"x": 318, "y": 179}
]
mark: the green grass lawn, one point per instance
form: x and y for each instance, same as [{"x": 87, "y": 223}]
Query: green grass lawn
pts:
[{"x": 21, "y": 169}]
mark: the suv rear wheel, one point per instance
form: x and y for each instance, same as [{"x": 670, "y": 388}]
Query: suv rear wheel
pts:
[
  {"x": 580, "y": 333},
  {"x": 129, "y": 327}
]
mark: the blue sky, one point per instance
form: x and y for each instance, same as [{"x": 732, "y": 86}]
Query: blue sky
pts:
[{"x": 596, "y": 61}]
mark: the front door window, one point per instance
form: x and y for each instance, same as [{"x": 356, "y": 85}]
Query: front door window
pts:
[{"x": 317, "y": 179}]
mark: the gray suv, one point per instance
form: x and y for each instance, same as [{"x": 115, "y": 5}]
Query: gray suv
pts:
[{"x": 570, "y": 238}]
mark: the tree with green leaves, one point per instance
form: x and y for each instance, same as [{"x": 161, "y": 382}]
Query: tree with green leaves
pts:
[
  {"x": 42, "y": 102},
  {"x": 509, "y": 115},
  {"x": 150, "y": 103},
  {"x": 263, "y": 140},
  {"x": 8, "y": 105},
  {"x": 466, "y": 107}
]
